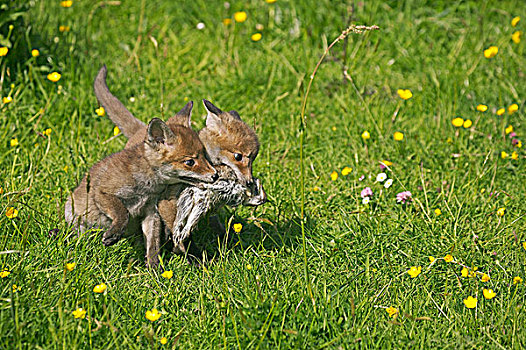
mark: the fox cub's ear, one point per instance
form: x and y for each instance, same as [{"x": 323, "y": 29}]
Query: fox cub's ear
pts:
[
  {"x": 184, "y": 116},
  {"x": 235, "y": 114},
  {"x": 213, "y": 121},
  {"x": 158, "y": 132}
]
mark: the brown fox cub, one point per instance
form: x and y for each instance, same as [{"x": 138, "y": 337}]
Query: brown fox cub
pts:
[{"x": 128, "y": 184}]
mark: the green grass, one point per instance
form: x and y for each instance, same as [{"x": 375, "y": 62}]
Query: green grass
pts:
[{"x": 254, "y": 294}]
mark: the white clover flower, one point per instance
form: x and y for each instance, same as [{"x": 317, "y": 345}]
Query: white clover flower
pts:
[
  {"x": 388, "y": 183},
  {"x": 200, "y": 25},
  {"x": 381, "y": 177},
  {"x": 365, "y": 200}
]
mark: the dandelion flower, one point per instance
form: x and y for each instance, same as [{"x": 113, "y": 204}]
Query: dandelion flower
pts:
[
  {"x": 66, "y": 4},
  {"x": 398, "y": 136},
  {"x": 100, "y": 111},
  {"x": 366, "y": 192},
  {"x": 116, "y": 131},
  {"x": 488, "y": 293},
  {"x": 227, "y": 21},
  {"x": 240, "y": 16},
  {"x": 79, "y": 313},
  {"x": 470, "y": 302},
  {"x": 153, "y": 315},
  {"x": 255, "y": 37},
  {"x": 381, "y": 177},
  {"x": 491, "y": 52},
  {"x": 482, "y": 108},
  {"x": 513, "y": 108},
  {"x": 366, "y": 135},
  {"x": 514, "y": 21},
  {"x": 414, "y": 271},
  {"x": 467, "y": 124},
  {"x": 11, "y": 212},
  {"x": 457, "y": 122},
  {"x": 516, "y": 36},
  {"x": 238, "y": 228},
  {"x": 438, "y": 212},
  {"x": 388, "y": 183},
  {"x": 402, "y": 197},
  {"x": 391, "y": 311},
  {"x": 334, "y": 176},
  {"x": 509, "y": 129},
  {"x": 35, "y": 53},
  {"x": 404, "y": 94},
  {"x": 500, "y": 211},
  {"x": 70, "y": 266},
  {"x": 54, "y": 77},
  {"x": 514, "y": 155},
  {"x": 346, "y": 171},
  {"x": 432, "y": 259},
  {"x": 3, "y": 51},
  {"x": 100, "y": 288},
  {"x": 501, "y": 111},
  {"x": 167, "y": 274},
  {"x": 7, "y": 99},
  {"x": 503, "y": 155},
  {"x": 63, "y": 29},
  {"x": 448, "y": 258},
  {"x": 5, "y": 273},
  {"x": 464, "y": 272},
  {"x": 484, "y": 278},
  {"x": 163, "y": 340},
  {"x": 517, "y": 280}
]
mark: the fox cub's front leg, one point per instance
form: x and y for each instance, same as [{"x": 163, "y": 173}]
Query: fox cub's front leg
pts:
[
  {"x": 151, "y": 228},
  {"x": 117, "y": 212}
]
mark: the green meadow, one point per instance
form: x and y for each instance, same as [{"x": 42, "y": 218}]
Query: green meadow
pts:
[{"x": 428, "y": 108}]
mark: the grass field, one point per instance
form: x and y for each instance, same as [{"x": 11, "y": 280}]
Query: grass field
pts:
[{"x": 352, "y": 287}]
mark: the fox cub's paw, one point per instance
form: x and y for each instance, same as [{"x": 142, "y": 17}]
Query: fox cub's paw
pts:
[{"x": 110, "y": 237}]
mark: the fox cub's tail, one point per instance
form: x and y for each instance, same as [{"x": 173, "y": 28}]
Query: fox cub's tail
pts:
[{"x": 118, "y": 114}]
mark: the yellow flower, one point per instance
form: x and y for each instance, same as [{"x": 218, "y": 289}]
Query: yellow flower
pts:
[
  {"x": 79, "y": 313},
  {"x": 491, "y": 52},
  {"x": 100, "y": 111},
  {"x": 524, "y": 245},
  {"x": 248, "y": 267},
  {"x": 67, "y": 3},
  {"x": 398, "y": 136},
  {"x": 366, "y": 135},
  {"x": 256, "y": 37},
  {"x": 501, "y": 111},
  {"x": 153, "y": 315},
  {"x": 240, "y": 16},
  {"x": 516, "y": 37},
  {"x": 334, "y": 176},
  {"x": 315, "y": 188},
  {"x": 346, "y": 171},
  {"x": 54, "y": 77},
  {"x": 167, "y": 274},
  {"x": 270, "y": 1},
  {"x": 163, "y": 340},
  {"x": 7, "y": 99},
  {"x": 432, "y": 259},
  {"x": 116, "y": 131},
  {"x": 438, "y": 212},
  {"x": 503, "y": 155},
  {"x": 11, "y": 212},
  {"x": 4, "y": 274},
  {"x": 3, "y": 51},
  {"x": 514, "y": 155},
  {"x": 35, "y": 53},
  {"x": 65, "y": 169},
  {"x": 500, "y": 211},
  {"x": 509, "y": 129},
  {"x": 488, "y": 293},
  {"x": 519, "y": 144},
  {"x": 238, "y": 228},
  {"x": 70, "y": 266},
  {"x": 448, "y": 258},
  {"x": 414, "y": 271},
  {"x": 484, "y": 278},
  {"x": 404, "y": 94},
  {"x": 387, "y": 163},
  {"x": 100, "y": 288},
  {"x": 470, "y": 302},
  {"x": 227, "y": 21},
  {"x": 514, "y": 21},
  {"x": 482, "y": 108},
  {"x": 63, "y": 29},
  {"x": 47, "y": 132},
  {"x": 517, "y": 280},
  {"x": 464, "y": 272},
  {"x": 457, "y": 122},
  {"x": 391, "y": 311},
  {"x": 16, "y": 288},
  {"x": 467, "y": 123},
  {"x": 513, "y": 108}
]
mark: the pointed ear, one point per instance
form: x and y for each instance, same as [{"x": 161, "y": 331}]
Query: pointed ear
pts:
[
  {"x": 210, "y": 108},
  {"x": 213, "y": 121},
  {"x": 158, "y": 132},
  {"x": 183, "y": 117},
  {"x": 235, "y": 114}
]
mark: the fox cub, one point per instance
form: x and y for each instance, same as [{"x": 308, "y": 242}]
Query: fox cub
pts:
[{"x": 128, "y": 184}]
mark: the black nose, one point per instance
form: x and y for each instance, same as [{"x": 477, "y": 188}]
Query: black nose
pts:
[{"x": 215, "y": 177}]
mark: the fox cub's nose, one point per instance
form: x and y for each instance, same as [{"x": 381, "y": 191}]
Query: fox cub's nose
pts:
[{"x": 215, "y": 177}]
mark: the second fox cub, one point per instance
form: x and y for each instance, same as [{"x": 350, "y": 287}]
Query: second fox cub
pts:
[{"x": 128, "y": 184}]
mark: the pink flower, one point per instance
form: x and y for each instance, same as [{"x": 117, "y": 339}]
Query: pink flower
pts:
[
  {"x": 403, "y": 196},
  {"x": 366, "y": 192},
  {"x": 514, "y": 142},
  {"x": 512, "y": 134}
]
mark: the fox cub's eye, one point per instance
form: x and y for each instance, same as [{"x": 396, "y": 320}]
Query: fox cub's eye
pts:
[
  {"x": 189, "y": 162},
  {"x": 238, "y": 156}
]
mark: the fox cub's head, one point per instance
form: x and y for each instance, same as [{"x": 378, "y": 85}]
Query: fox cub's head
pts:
[
  {"x": 229, "y": 141},
  {"x": 178, "y": 154}
]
